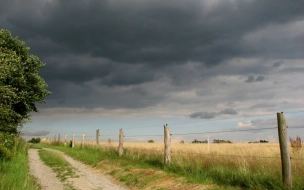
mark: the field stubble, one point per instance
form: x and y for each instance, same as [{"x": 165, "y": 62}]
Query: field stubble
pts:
[{"x": 252, "y": 166}]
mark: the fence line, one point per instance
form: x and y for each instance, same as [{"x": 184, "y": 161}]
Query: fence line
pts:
[{"x": 282, "y": 132}]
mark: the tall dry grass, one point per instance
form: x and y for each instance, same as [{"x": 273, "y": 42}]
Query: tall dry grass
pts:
[{"x": 252, "y": 166}]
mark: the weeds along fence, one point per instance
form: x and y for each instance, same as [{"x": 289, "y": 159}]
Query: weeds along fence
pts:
[{"x": 171, "y": 150}]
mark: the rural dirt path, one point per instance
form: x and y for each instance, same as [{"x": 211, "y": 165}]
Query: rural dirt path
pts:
[{"x": 89, "y": 179}]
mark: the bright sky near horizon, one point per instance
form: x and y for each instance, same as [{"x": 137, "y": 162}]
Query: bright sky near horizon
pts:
[{"x": 199, "y": 66}]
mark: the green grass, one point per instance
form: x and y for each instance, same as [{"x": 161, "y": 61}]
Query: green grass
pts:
[
  {"x": 34, "y": 146},
  {"x": 226, "y": 173},
  {"x": 58, "y": 164},
  {"x": 14, "y": 173}
]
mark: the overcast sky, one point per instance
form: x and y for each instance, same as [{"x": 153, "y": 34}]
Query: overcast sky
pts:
[{"x": 144, "y": 63}]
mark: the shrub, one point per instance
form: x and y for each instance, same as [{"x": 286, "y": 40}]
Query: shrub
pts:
[
  {"x": 35, "y": 140},
  {"x": 150, "y": 141},
  {"x": 7, "y": 144},
  {"x": 296, "y": 144}
]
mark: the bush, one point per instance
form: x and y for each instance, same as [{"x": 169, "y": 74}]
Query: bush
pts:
[
  {"x": 7, "y": 144},
  {"x": 296, "y": 144},
  {"x": 35, "y": 140},
  {"x": 150, "y": 141}
]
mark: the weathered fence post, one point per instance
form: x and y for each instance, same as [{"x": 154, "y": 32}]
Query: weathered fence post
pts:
[
  {"x": 167, "y": 141},
  {"x": 284, "y": 148},
  {"x": 58, "y": 138},
  {"x": 97, "y": 136},
  {"x": 73, "y": 140},
  {"x": 65, "y": 139},
  {"x": 120, "y": 147},
  {"x": 82, "y": 142}
]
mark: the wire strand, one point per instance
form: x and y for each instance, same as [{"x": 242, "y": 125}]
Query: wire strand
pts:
[
  {"x": 203, "y": 121},
  {"x": 228, "y": 131}
]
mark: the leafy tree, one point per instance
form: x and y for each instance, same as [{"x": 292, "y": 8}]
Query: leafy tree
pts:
[
  {"x": 20, "y": 84},
  {"x": 35, "y": 140}
]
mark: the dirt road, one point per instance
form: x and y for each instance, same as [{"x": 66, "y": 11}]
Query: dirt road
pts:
[{"x": 89, "y": 179}]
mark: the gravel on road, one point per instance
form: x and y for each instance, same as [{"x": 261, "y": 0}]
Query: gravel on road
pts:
[{"x": 89, "y": 178}]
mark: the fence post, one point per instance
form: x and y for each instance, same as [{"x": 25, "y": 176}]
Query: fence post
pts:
[
  {"x": 58, "y": 138},
  {"x": 65, "y": 139},
  {"x": 120, "y": 148},
  {"x": 97, "y": 136},
  {"x": 82, "y": 142},
  {"x": 167, "y": 141},
  {"x": 284, "y": 148},
  {"x": 73, "y": 140}
]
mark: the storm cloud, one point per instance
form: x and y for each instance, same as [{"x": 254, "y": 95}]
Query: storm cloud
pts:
[
  {"x": 210, "y": 115},
  {"x": 34, "y": 133},
  {"x": 163, "y": 54}
]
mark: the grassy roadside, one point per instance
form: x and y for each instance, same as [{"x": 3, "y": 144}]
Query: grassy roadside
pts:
[
  {"x": 59, "y": 165},
  {"x": 136, "y": 175},
  {"x": 14, "y": 173},
  {"x": 144, "y": 169}
]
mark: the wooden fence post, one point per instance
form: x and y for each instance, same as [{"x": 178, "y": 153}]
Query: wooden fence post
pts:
[
  {"x": 120, "y": 148},
  {"x": 82, "y": 142},
  {"x": 73, "y": 140},
  {"x": 65, "y": 139},
  {"x": 97, "y": 136},
  {"x": 167, "y": 141},
  {"x": 284, "y": 148},
  {"x": 58, "y": 138}
]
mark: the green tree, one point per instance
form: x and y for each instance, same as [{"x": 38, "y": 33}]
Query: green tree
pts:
[
  {"x": 35, "y": 140},
  {"x": 20, "y": 84}
]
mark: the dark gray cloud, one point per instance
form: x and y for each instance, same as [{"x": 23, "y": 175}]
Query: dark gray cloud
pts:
[
  {"x": 34, "y": 133},
  {"x": 203, "y": 115},
  {"x": 250, "y": 79},
  {"x": 260, "y": 78},
  {"x": 278, "y": 63},
  {"x": 110, "y": 53},
  {"x": 228, "y": 111},
  {"x": 164, "y": 33},
  {"x": 210, "y": 115}
]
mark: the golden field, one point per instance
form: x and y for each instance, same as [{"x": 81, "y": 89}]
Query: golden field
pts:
[
  {"x": 250, "y": 165},
  {"x": 262, "y": 150}
]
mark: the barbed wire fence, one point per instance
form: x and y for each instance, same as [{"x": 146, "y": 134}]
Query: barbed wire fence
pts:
[
  {"x": 139, "y": 138},
  {"x": 167, "y": 136}
]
